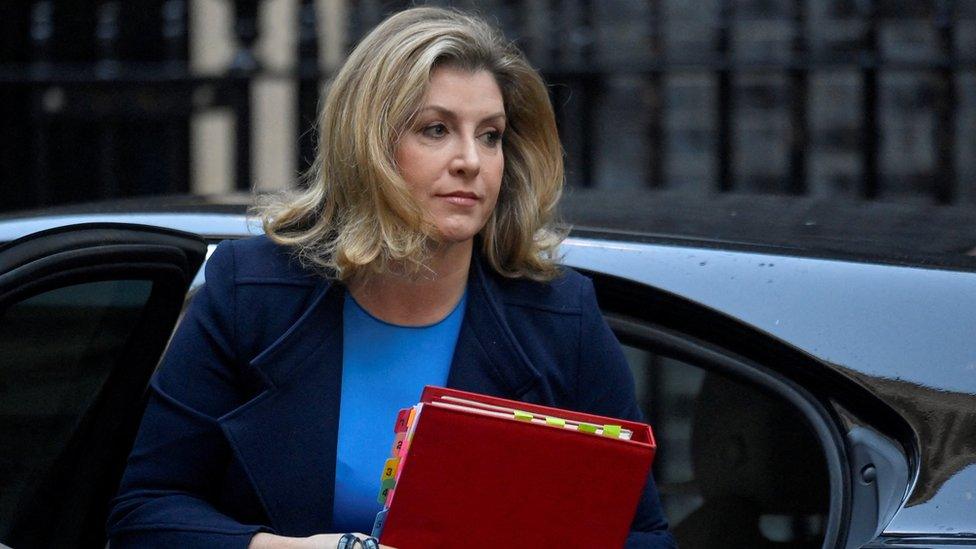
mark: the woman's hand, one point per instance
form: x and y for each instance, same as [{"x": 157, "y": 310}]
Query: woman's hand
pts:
[{"x": 264, "y": 540}]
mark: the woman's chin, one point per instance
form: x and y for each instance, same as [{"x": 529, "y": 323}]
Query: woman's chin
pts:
[
  {"x": 456, "y": 235},
  {"x": 451, "y": 239}
]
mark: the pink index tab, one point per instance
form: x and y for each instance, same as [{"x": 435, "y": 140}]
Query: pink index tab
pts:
[
  {"x": 403, "y": 447},
  {"x": 398, "y": 444},
  {"x": 403, "y": 420}
]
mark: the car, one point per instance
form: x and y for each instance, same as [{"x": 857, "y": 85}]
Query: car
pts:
[{"x": 808, "y": 366}]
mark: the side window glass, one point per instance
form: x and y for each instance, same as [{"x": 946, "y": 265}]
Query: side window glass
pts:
[
  {"x": 737, "y": 466},
  {"x": 57, "y": 349}
]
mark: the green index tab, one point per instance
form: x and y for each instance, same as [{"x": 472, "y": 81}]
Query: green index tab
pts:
[
  {"x": 558, "y": 422},
  {"x": 523, "y": 416},
  {"x": 612, "y": 431},
  {"x": 587, "y": 428}
]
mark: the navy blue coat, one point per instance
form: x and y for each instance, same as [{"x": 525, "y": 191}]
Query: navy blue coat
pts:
[{"x": 239, "y": 435}]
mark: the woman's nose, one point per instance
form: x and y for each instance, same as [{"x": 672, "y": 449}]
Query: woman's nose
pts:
[{"x": 467, "y": 160}]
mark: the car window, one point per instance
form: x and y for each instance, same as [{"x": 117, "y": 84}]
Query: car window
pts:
[
  {"x": 57, "y": 349},
  {"x": 737, "y": 466}
]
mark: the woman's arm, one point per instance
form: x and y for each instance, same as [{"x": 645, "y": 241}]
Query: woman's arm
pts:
[
  {"x": 606, "y": 387},
  {"x": 167, "y": 494},
  {"x": 319, "y": 541}
]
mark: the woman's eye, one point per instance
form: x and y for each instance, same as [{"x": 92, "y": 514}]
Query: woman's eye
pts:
[
  {"x": 435, "y": 130},
  {"x": 491, "y": 138}
]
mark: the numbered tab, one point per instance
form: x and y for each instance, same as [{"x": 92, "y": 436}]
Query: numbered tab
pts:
[
  {"x": 384, "y": 492},
  {"x": 402, "y": 447},
  {"x": 398, "y": 444},
  {"x": 389, "y": 469},
  {"x": 378, "y": 523},
  {"x": 402, "y": 420}
]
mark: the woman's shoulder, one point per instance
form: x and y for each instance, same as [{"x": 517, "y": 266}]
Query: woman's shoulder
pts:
[
  {"x": 258, "y": 259},
  {"x": 567, "y": 293}
]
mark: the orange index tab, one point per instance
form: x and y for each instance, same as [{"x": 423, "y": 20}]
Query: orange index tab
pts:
[
  {"x": 403, "y": 420},
  {"x": 411, "y": 419}
]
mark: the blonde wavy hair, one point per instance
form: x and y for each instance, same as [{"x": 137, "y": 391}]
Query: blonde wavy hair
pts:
[{"x": 356, "y": 213}]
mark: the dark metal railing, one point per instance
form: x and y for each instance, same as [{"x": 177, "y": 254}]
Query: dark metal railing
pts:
[{"x": 110, "y": 95}]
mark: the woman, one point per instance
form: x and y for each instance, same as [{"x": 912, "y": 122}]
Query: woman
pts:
[{"x": 421, "y": 253}]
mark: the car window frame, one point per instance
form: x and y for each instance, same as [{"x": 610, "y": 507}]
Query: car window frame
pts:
[{"x": 642, "y": 316}]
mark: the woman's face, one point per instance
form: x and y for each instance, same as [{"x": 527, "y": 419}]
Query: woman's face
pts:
[{"x": 451, "y": 156}]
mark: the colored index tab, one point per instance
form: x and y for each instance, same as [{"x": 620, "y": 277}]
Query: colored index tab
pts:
[
  {"x": 587, "y": 428},
  {"x": 611, "y": 431},
  {"x": 523, "y": 416},
  {"x": 398, "y": 443},
  {"x": 378, "y": 523},
  {"x": 389, "y": 469},
  {"x": 410, "y": 416},
  {"x": 402, "y": 420},
  {"x": 384, "y": 491},
  {"x": 558, "y": 422}
]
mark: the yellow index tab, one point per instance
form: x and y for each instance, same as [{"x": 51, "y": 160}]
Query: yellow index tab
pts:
[
  {"x": 587, "y": 428},
  {"x": 558, "y": 422},
  {"x": 389, "y": 469},
  {"x": 523, "y": 416},
  {"x": 612, "y": 431}
]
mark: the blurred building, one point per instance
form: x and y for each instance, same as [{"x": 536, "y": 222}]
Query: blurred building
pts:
[{"x": 847, "y": 99}]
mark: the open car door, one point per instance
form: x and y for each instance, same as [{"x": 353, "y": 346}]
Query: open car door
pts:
[{"x": 85, "y": 313}]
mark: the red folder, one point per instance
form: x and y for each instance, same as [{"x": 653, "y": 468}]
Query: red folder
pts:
[{"x": 476, "y": 480}]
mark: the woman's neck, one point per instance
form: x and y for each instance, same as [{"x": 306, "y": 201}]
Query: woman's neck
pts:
[{"x": 420, "y": 299}]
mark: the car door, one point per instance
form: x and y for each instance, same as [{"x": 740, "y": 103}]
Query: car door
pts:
[
  {"x": 759, "y": 445},
  {"x": 85, "y": 313}
]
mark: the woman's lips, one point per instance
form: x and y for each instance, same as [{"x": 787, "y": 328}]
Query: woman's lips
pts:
[{"x": 460, "y": 198}]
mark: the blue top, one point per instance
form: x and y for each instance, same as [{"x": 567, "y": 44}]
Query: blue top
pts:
[{"x": 384, "y": 368}]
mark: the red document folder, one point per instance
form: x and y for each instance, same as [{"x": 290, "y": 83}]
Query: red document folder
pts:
[{"x": 477, "y": 480}]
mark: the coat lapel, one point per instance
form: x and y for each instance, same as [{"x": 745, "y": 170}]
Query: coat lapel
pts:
[
  {"x": 286, "y": 436},
  {"x": 487, "y": 358}
]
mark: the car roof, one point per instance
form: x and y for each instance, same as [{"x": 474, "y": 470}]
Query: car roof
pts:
[{"x": 910, "y": 234}]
